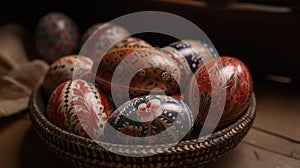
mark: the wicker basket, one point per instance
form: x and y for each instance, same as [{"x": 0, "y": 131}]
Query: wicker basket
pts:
[{"x": 82, "y": 152}]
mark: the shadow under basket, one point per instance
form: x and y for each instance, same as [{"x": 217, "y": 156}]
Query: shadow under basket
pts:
[{"x": 82, "y": 152}]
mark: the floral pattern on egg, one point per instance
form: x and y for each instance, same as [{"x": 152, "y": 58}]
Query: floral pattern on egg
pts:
[
  {"x": 195, "y": 52},
  {"x": 67, "y": 68},
  {"x": 56, "y": 35},
  {"x": 226, "y": 75},
  {"x": 101, "y": 37},
  {"x": 79, "y": 107},
  {"x": 160, "y": 118}
]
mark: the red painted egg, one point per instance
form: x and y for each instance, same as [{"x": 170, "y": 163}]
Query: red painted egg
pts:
[
  {"x": 56, "y": 35},
  {"x": 152, "y": 119},
  {"x": 66, "y": 68},
  {"x": 138, "y": 72},
  {"x": 231, "y": 83},
  {"x": 79, "y": 107},
  {"x": 101, "y": 37}
]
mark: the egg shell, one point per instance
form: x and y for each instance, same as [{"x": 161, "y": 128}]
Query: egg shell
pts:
[
  {"x": 101, "y": 37},
  {"x": 226, "y": 75},
  {"x": 181, "y": 62},
  {"x": 159, "y": 118},
  {"x": 56, "y": 35},
  {"x": 132, "y": 42},
  {"x": 79, "y": 107},
  {"x": 195, "y": 52},
  {"x": 178, "y": 95},
  {"x": 66, "y": 68},
  {"x": 92, "y": 29},
  {"x": 137, "y": 71}
]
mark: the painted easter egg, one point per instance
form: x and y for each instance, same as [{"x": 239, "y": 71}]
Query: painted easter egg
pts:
[
  {"x": 89, "y": 32},
  {"x": 151, "y": 119},
  {"x": 178, "y": 95},
  {"x": 132, "y": 72},
  {"x": 195, "y": 52},
  {"x": 66, "y": 68},
  {"x": 79, "y": 107},
  {"x": 181, "y": 62},
  {"x": 56, "y": 35},
  {"x": 231, "y": 83},
  {"x": 101, "y": 37},
  {"x": 132, "y": 42}
]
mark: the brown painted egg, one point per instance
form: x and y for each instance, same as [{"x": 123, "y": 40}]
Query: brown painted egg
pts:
[
  {"x": 132, "y": 42},
  {"x": 66, "y": 68},
  {"x": 133, "y": 72},
  {"x": 79, "y": 107},
  {"x": 151, "y": 119},
  {"x": 225, "y": 84},
  {"x": 89, "y": 32},
  {"x": 56, "y": 35},
  {"x": 101, "y": 37},
  {"x": 181, "y": 62},
  {"x": 178, "y": 95}
]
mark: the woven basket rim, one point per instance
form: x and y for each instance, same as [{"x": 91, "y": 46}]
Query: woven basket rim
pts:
[{"x": 214, "y": 138}]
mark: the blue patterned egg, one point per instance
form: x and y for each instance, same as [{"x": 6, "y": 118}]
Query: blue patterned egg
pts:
[
  {"x": 56, "y": 35},
  {"x": 151, "y": 119},
  {"x": 195, "y": 52}
]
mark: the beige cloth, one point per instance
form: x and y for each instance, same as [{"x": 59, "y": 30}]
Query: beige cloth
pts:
[{"x": 18, "y": 75}]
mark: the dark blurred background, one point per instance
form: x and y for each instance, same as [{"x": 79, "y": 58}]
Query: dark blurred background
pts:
[{"x": 262, "y": 33}]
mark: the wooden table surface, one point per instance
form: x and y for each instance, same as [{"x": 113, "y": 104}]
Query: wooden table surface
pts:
[{"x": 273, "y": 141}]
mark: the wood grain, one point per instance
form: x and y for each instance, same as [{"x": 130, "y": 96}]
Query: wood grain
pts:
[{"x": 248, "y": 156}]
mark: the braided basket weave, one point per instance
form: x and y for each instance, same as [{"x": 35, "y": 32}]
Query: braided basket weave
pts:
[{"x": 82, "y": 152}]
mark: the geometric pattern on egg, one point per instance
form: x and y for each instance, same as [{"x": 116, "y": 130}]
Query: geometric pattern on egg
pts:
[
  {"x": 66, "y": 68},
  {"x": 195, "y": 52},
  {"x": 137, "y": 71},
  {"x": 182, "y": 63},
  {"x": 132, "y": 42},
  {"x": 160, "y": 118}
]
